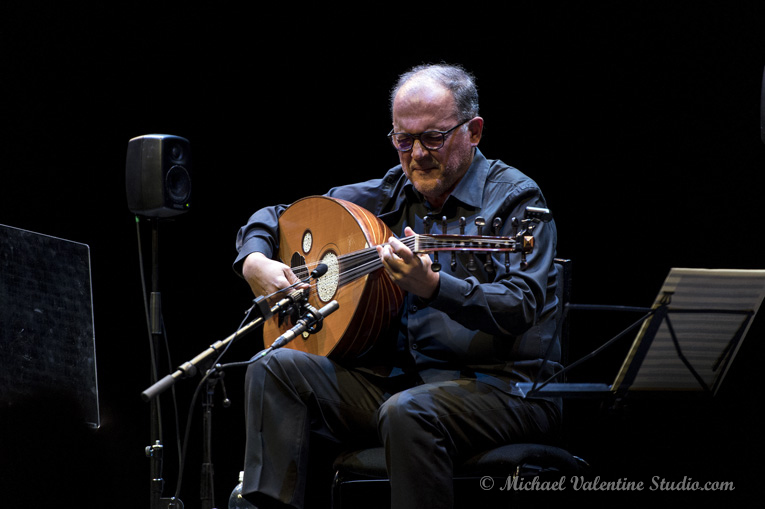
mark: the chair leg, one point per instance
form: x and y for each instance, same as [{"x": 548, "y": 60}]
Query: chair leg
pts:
[{"x": 336, "y": 500}]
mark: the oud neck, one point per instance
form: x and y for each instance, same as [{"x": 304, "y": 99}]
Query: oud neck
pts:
[{"x": 422, "y": 243}]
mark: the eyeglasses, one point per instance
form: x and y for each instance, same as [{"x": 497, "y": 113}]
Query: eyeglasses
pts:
[{"x": 431, "y": 140}]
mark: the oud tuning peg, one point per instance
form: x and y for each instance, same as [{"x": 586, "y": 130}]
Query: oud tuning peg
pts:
[
  {"x": 471, "y": 265},
  {"x": 488, "y": 265},
  {"x": 497, "y": 224},
  {"x": 435, "y": 266},
  {"x": 428, "y": 223},
  {"x": 462, "y": 222},
  {"x": 514, "y": 221},
  {"x": 480, "y": 223},
  {"x": 444, "y": 230}
]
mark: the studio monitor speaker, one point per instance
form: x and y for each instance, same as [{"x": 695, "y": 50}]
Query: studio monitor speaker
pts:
[{"x": 158, "y": 175}]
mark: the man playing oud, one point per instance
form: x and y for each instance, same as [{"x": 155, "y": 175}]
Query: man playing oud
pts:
[{"x": 443, "y": 387}]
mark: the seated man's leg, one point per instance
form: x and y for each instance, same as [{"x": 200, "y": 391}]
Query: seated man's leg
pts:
[
  {"x": 291, "y": 398},
  {"x": 427, "y": 428}
]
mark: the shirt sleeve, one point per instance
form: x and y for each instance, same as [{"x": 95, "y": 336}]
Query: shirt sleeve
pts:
[{"x": 260, "y": 234}]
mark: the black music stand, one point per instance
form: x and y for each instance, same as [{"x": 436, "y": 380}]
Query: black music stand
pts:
[
  {"x": 688, "y": 339},
  {"x": 47, "y": 341}
]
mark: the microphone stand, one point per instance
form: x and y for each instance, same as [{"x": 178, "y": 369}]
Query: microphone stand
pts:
[
  {"x": 310, "y": 322},
  {"x": 207, "y": 488},
  {"x": 190, "y": 368}
]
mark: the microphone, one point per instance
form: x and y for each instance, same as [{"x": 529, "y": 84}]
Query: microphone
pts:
[
  {"x": 312, "y": 317},
  {"x": 267, "y": 312},
  {"x": 319, "y": 271}
]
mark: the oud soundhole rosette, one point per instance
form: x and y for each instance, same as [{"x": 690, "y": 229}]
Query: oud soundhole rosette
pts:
[
  {"x": 307, "y": 241},
  {"x": 326, "y": 285}
]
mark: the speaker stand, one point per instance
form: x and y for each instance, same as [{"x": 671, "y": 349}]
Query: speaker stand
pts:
[{"x": 155, "y": 451}]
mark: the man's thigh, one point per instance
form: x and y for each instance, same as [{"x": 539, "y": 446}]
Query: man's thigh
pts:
[
  {"x": 340, "y": 403},
  {"x": 473, "y": 415}
]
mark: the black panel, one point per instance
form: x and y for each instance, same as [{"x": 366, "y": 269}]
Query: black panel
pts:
[{"x": 47, "y": 342}]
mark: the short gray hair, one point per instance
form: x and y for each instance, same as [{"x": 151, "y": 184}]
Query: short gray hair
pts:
[{"x": 454, "y": 78}]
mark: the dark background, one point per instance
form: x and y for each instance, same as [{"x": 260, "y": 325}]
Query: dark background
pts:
[{"x": 640, "y": 121}]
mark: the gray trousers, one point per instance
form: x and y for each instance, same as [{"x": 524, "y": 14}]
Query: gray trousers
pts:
[{"x": 293, "y": 398}]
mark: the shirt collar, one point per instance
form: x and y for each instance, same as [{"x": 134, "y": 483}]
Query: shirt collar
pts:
[{"x": 470, "y": 188}]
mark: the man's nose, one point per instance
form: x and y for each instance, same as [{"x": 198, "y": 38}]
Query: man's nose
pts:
[{"x": 419, "y": 151}]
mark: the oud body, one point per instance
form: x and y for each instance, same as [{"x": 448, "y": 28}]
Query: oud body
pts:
[{"x": 343, "y": 236}]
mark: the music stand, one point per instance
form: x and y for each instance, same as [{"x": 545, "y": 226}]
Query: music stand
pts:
[
  {"x": 47, "y": 342},
  {"x": 709, "y": 312},
  {"x": 696, "y": 326}
]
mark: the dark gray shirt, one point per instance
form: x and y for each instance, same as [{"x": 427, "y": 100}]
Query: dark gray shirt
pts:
[{"x": 496, "y": 324}]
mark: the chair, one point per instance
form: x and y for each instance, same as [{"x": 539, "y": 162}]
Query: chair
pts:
[{"x": 366, "y": 468}]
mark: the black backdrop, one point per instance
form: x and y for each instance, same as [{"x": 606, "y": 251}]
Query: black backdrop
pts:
[{"x": 641, "y": 123}]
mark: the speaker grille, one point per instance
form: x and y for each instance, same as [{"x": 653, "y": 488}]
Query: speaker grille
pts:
[{"x": 178, "y": 185}]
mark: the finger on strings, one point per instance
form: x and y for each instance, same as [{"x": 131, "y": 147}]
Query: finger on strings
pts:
[{"x": 400, "y": 250}]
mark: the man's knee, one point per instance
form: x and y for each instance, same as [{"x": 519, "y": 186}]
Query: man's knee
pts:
[
  {"x": 404, "y": 411},
  {"x": 282, "y": 362}
]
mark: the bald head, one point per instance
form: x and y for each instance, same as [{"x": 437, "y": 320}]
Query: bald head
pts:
[
  {"x": 452, "y": 78},
  {"x": 424, "y": 96}
]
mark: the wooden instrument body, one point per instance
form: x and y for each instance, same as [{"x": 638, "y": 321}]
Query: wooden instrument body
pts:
[{"x": 320, "y": 229}]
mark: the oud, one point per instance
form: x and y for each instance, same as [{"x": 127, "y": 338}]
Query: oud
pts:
[{"x": 341, "y": 235}]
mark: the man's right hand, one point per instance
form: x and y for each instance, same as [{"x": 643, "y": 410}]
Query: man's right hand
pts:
[{"x": 265, "y": 276}]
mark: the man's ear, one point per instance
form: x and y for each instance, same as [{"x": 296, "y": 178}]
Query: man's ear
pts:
[{"x": 475, "y": 126}]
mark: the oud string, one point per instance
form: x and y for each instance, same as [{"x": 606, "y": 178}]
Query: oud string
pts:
[
  {"x": 360, "y": 263},
  {"x": 351, "y": 266}
]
